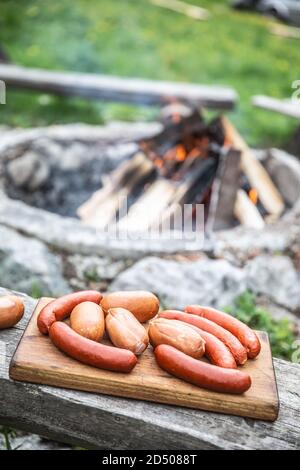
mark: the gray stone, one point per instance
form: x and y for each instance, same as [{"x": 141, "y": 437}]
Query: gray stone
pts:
[
  {"x": 240, "y": 244},
  {"x": 207, "y": 282},
  {"x": 214, "y": 282},
  {"x": 73, "y": 157},
  {"x": 28, "y": 265},
  {"x": 275, "y": 277},
  {"x": 96, "y": 268},
  {"x": 28, "y": 171},
  {"x": 79, "y": 132},
  {"x": 70, "y": 235}
]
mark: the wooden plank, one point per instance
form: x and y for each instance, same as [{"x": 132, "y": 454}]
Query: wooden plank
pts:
[
  {"x": 286, "y": 107},
  {"x": 104, "y": 422},
  {"x": 193, "y": 11},
  {"x": 255, "y": 172},
  {"x": 38, "y": 360},
  {"x": 111, "y": 88}
]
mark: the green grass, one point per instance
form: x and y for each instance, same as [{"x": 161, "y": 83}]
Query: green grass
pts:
[
  {"x": 137, "y": 39},
  {"x": 281, "y": 332}
]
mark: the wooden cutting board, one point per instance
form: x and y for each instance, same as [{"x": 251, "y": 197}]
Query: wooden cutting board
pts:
[{"x": 37, "y": 360}]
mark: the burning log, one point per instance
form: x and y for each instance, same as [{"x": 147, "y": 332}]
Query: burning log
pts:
[
  {"x": 146, "y": 211},
  {"x": 255, "y": 172},
  {"x": 103, "y": 205},
  {"x": 186, "y": 163},
  {"x": 160, "y": 202},
  {"x": 192, "y": 189},
  {"x": 246, "y": 211}
]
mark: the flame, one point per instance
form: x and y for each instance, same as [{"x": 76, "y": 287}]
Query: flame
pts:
[
  {"x": 253, "y": 196},
  {"x": 195, "y": 152},
  {"x": 180, "y": 153},
  {"x": 158, "y": 162}
]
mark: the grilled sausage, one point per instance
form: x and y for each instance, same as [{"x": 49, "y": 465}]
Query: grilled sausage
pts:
[
  {"x": 178, "y": 334},
  {"x": 87, "y": 319},
  {"x": 244, "y": 334},
  {"x": 125, "y": 331},
  {"x": 199, "y": 373},
  {"x": 215, "y": 349},
  {"x": 233, "y": 344},
  {"x": 11, "y": 311},
  {"x": 142, "y": 304},
  {"x": 61, "y": 308},
  {"x": 89, "y": 352}
]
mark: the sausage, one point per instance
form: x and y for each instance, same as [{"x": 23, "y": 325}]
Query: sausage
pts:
[
  {"x": 215, "y": 350},
  {"x": 87, "y": 319},
  {"x": 11, "y": 310},
  {"x": 178, "y": 334},
  {"x": 200, "y": 373},
  {"x": 233, "y": 344},
  {"x": 244, "y": 334},
  {"x": 89, "y": 352},
  {"x": 61, "y": 308},
  {"x": 125, "y": 331},
  {"x": 142, "y": 304}
]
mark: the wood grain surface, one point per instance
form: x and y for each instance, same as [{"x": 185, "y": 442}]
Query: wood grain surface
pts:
[{"x": 37, "y": 360}]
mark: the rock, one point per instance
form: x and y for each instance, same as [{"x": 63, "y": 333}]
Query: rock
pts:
[
  {"x": 28, "y": 171},
  {"x": 240, "y": 244},
  {"x": 73, "y": 157},
  {"x": 207, "y": 282},
  {"x": 70, "y": 235},
  {"x": 275, "y": 277},
  {"x": 79, "y": 132},
  {"x": 29, "y": 266},
  {"x": 93, "y": 271},
  {"x": 214, "y": 282}
]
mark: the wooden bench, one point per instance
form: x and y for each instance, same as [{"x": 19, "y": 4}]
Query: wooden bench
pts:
[
  {"x": 105, "y": 87},
  {"x": 287, "y": 107},
  {"x": 99, "y": 421}
]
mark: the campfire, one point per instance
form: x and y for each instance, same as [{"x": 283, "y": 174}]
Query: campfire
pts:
[{"x": 191, "y": 161}]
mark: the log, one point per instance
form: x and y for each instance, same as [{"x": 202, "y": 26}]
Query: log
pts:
[
  {"x": 255, "y": 172},
  {"x": 246, "y": 212},
  {"x": 286, "y": 107},
  {"x": 101, "y": 208},
  {"x": 193, "y": 11},
  {"x": 285, "y": 31},
  {"x": 193, "y": 188},
  {"x": 103, "y": 422},
  {"x": 146, "y": 211},
  {"x": 111, "y": 88},
  {"x": 224, "y": 192}
]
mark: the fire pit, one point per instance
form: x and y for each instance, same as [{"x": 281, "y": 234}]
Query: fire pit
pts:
[
  {"x": 184, "y": 160},
  {"x": 83, "y": 172}
]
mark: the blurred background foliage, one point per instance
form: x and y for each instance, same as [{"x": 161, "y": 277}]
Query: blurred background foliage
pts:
[
  {"x": 282, "y": 334},
  {"x": 134, "y": 38}
]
